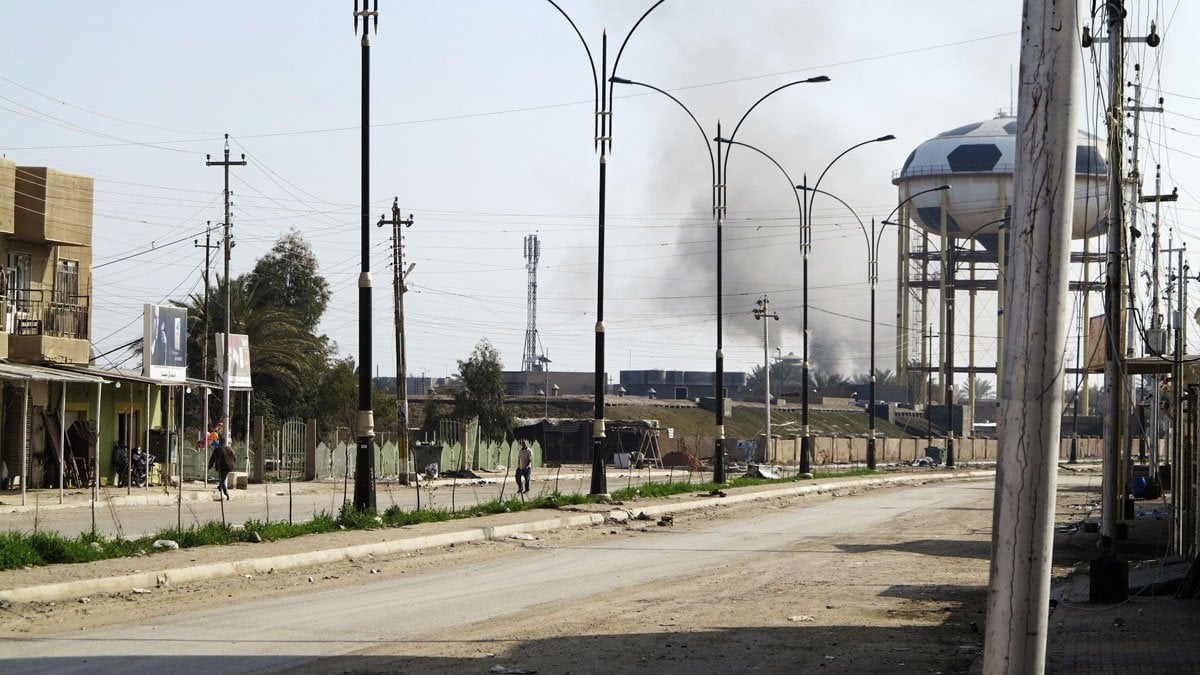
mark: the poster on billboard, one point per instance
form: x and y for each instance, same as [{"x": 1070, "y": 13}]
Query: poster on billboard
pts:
[
  {"x": 164, "y": 343},
  {"x": 239, "y": 359}
]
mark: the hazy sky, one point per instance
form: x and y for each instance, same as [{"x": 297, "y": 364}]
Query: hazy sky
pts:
[{"x": 482, "y": 120}]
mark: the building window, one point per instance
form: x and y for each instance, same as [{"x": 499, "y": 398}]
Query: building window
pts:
[
  {"x": 20, "y": 276},
  {"x": 66, "y": 282}
]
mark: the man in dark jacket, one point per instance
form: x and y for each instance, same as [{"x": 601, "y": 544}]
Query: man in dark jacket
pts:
[{"x": 223, "y": 461}]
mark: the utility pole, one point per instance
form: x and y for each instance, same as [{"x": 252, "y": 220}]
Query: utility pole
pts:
[
  {"x": 208, "y": 246},
  {"x": 1034, "y": 343},
  {"x": 364, "y": 457},
  {"x": 399, "y": 274},
  {"x": 228, "y": 244},
  {"x": 762, "y": 310},
  {"x": 1114, "y": 281}
]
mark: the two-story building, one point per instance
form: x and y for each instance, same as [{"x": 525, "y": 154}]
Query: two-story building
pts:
[{"x": 59, "y": 417}]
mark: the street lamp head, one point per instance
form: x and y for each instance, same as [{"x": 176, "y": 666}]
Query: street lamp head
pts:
[
  {"x": 620, "y": 80},
  {"x": 888, "y": 137},
  {"x": 818, "y": 78}
]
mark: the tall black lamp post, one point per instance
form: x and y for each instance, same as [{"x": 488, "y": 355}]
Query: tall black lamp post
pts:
[
  {"x": 719, "y": 163},
  {"x": 806, "y": 434},
  {"x": 602, "y": 141},
  {"x": 873, "y": 241},
  {"x": 364, "y": 458}
]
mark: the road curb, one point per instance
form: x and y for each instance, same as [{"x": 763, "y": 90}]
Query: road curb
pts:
[{"x": 165, "y": 577}]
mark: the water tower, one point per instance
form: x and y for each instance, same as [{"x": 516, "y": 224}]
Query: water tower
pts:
[{"x": 954, "y": 240}]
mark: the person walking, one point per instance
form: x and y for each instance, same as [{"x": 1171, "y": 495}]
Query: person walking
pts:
[
  {"x": 223, "y": 461},
  {"x": 524, "y": 467}
]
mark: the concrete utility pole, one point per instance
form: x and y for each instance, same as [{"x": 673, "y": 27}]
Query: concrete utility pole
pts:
[
  {"x": 228, "y": 244},
  {"x": 208, "y": 246},
  {"x": 762, "y": 310},
  {"x": 364, "y": 456},
  {"x": 1035, "y": 339},
  {"x": 399, "y": 274},
  {"x": 1114, "y": 280}
]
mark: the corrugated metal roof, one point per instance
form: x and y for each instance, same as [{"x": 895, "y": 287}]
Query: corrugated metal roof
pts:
[{"x": 21, "y": 371}]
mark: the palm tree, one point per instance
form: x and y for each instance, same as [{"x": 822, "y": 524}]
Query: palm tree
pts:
[
  {"x": 286, "y": 357},
  {"x": 824, "y": 383},
  {"x": 983, "y": 390}
]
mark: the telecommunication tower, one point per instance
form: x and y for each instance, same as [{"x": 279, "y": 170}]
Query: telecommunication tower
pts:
[{"x": 533, "y": 250}]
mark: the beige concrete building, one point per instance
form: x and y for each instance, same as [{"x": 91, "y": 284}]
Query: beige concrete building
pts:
[{"x": 46, "y": 248}]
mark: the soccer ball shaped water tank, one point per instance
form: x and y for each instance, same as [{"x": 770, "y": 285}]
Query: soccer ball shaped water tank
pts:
[{"x": 977, "y": 160}]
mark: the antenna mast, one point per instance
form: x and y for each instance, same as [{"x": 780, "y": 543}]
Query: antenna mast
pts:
[{"x": 533, "y": 251}]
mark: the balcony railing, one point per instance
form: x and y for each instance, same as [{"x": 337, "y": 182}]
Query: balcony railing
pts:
[{"x": 26, "y": 313}]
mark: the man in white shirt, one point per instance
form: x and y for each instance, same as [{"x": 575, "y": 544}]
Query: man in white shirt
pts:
[{"x": 524, "y": 467}]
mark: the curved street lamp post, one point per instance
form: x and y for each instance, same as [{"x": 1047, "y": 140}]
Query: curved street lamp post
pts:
[
  {"x": 602, "y": 133},
  {"x": 874, "y": 237},
  {"x": 948, "y": 339},
  {"x": 719, "y": 164},
  {"x": 806, "y": 435}
]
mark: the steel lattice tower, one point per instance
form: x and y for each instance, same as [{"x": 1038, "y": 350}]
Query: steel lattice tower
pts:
[{"x": 533, "y": 250}]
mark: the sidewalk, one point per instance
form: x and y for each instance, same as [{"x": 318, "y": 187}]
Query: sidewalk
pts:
[{"x": 1150, "y": 632}]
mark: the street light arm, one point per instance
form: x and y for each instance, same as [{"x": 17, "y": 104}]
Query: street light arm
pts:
[
  {"x": 729, "y": 141},
  {"x": 595, "y": 78},
  {"x": 617, "y": 60},
  {"x": 888, "y": 219},
  {"x": 712, "y": 162},
  {"x": 888, "y": 137},
  {"x": 621, "y": 50},
  {"x": 805, "y": 188},
  {"x": 732, "y": 136}
]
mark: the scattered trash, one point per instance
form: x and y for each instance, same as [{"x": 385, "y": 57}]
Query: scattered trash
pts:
[
  {"x": 161, "y": 580},
  {"x": 84, "y": 601},
  {"x": 642, "y": 516},
  {"x": 618, "y": 515},
  {"x": 764, "y": 471},
  {"x": 801, "y": 617},
  {"x": 255, "y": 538},
  {"x": 666, "y": 520},
  {"x": 141, "y": 591},
  {"x": 523, "y": 536},
  {"x": 374, "y": 571},
  {"x": 974, "y": 627},
  {"x": 165, "y": 543},
  {"x": 310, "y": 580},
  {"x": 95, "y": 546}
]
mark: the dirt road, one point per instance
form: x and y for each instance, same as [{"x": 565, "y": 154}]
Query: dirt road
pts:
[{"x": 883, "y": 581}]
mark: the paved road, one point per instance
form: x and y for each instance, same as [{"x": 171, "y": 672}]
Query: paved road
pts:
[{"x": 284, "y": 631}]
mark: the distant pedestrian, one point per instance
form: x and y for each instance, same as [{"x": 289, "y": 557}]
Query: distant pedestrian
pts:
[
  {"x": 223, "y": 461},
  {"x": 524, "y": 467}
]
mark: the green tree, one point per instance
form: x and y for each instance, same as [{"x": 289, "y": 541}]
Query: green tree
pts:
[
  {"x": 983, "y": 390},
  {"x": 827, "y": 383},
  {"x": 287, "y": 278},
  {"x": 286, "y": 358},
  {"x": 482, "y": 394},
  {"x": 786, "y": 378}
]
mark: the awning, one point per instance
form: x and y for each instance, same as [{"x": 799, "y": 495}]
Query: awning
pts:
[{"x": 21, "y": 371}]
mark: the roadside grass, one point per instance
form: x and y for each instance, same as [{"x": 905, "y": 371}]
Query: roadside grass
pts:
[{"x": 20, "y": 549}]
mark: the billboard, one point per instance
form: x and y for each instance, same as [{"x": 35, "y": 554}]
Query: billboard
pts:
[
  {"x": 164, "y": 343},
  {"x": 239, "y": 359}
]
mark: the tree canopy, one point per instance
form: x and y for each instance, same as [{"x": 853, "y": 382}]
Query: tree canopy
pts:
[
  {"x": 278, "y": 306},
  {"x": 482, "y": 394}
]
